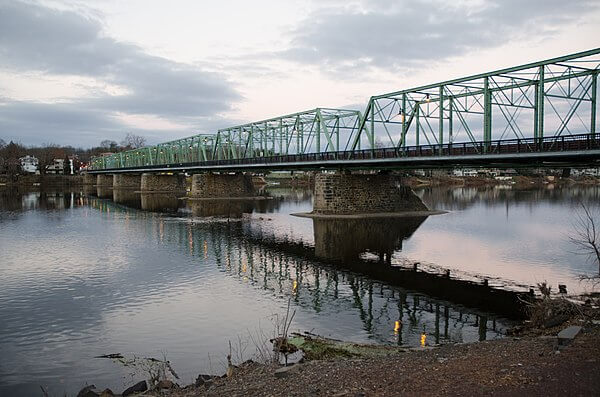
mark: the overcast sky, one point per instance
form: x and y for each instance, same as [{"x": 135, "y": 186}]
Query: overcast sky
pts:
[{"x": 78, "y": 72}]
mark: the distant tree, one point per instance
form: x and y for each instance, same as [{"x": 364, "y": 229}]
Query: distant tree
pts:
[
  {"x": 133, "y": 141},
  {"x": 10, "y": 155},
  {"x": 107, "y": 144},
  {"x": 46, "y": 155}
]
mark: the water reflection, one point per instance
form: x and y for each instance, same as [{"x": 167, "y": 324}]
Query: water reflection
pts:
[
  {"x": 160, "y": 202},
  {"x": 128, "y": 197},
  {"x": 221, "y": 208},
  {"x": 346, "y": 239}
]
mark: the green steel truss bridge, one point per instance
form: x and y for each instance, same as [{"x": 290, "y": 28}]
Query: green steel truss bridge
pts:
[{"x": 542, "y": 113}]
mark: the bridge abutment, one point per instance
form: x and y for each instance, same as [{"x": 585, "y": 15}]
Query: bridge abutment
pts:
[
  {"x": 127, "y": 181},
  {"x": 346, "y": 194},
  {"x": 211, "y": 185},
  {"x": 163, "y": 183}
]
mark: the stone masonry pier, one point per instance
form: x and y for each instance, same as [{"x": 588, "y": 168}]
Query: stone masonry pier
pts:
[
  {"x": 347, "y": 194},
  {"x": 210, "y": 185},
  {"x": 89, "y": 179},
  {"x": 127, "y": 181},
  {"x": 163, "y": 183},
  {"x": 105, "y": 180}
]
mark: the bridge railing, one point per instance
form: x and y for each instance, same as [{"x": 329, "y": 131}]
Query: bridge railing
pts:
[{"x": 581, "y": 142}]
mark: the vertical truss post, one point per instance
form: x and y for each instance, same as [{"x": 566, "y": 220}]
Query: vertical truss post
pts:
[
  {"x": 251, "y": 141},
  {"x": 417, "y": 107},
  {"x": 371, "y": 135},
  {"x": 594, "y": 103},
  {"x": 441, "y": 117},
  {"x": 540, "y": 104},
  {"x": 318, "y": 137},
  {"x": 487, "y": 113},
  {"x": 403, "y": 112},
  {"x": 450, "y": 126}
]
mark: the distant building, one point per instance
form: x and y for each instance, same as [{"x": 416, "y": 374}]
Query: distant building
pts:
[
  {"x": 29, "y": 164},
  {"x": 57, "y": 167}
]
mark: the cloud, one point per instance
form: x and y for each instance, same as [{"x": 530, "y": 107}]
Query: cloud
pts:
[
  {"x": 413, "y": 32},
  {"x": 67, "y": 43}
]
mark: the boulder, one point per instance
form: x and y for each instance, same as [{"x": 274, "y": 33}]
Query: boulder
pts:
[
  {"x": 88, "y": 391},
  {"x": 137, "y": 388},
  {"x": 204, "y": 380},
  {"x": 165, "y": 384},
  {"x": 567, "y": 335},
  {"x": 286, "y": 371}
]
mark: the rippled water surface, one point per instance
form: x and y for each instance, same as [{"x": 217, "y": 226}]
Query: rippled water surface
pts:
[{"x": 83, "y": 276}]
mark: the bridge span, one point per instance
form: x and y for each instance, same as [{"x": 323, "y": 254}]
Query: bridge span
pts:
[{"x": 541, "y": 114}]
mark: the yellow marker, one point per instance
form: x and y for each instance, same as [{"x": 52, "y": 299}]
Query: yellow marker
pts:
[
  {"x": 423, "y": 339},
  {"x": 295, "y": 287},
  {"x": 397, "y": 326}
]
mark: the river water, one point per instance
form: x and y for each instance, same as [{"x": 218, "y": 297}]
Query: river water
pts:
[{"x": 82, "y": 276}]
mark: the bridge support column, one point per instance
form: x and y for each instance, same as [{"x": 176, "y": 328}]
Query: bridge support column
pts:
[
  {"x": 222, "y": 186},
  {"x": 104, "y": 180},
  {"x": 346, "y": 194},
  {"x": 127, "y": 181},
  {"x": 163, "y": 183},
  {"x": 89, "y": 179}
]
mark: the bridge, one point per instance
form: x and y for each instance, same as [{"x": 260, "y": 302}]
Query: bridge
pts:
[{"x": 538, "y": 114}]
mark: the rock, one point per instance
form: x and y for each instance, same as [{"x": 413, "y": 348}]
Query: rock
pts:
[
  {"x": 205, "y": 380},
  {"x": 285, "y": 371},
  {"x": 567, "y": 335},
  {"x": 107, "y": 393},
  {"x": 165, "y": 384},
  {"x": 442, "y": 360},
  {"x": 88, "y": 391},
  {"x": 137, "y": 388}
]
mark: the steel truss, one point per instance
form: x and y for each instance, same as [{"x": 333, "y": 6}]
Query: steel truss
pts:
[
  {"x": 552, "y": 98},
  {"x": 535, "y": 100}
]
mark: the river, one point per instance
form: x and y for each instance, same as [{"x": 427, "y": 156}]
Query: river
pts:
[{"x": 84, "y": 276}]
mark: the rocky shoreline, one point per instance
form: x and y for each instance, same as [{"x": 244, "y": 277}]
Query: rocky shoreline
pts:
[{"x": 557, "y": 359}]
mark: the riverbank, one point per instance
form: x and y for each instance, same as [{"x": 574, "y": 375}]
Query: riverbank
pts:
[
  {"x": 519, "y": 181},
  {"x": 527, "y": 365},
  {"x": 534, "y": 360},
  {"x": 41, "y": 180}
]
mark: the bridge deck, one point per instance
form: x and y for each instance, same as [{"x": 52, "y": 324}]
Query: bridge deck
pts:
[{"x": 574, "y": 150}]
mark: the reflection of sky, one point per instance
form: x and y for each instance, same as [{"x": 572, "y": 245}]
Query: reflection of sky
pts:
[
  {"x": 524, "y": 241},
  {"x": 97, "y": 279}
]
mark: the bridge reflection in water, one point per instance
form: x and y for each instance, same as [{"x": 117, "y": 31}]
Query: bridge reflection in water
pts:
[{"x": 330, "y": 278}]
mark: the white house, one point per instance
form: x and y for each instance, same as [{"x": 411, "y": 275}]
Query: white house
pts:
[{"x": 29, "y": 164}]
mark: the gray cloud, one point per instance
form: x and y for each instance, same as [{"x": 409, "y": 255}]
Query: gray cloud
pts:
[
  {"x": 42, "y": 39},
  {"x": 411, "y": 32}
]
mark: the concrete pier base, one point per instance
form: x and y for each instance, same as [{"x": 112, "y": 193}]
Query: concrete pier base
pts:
[
  {"x": 104, "y": 180},
  {"x": 345, "y": 194},
  {"x": 89, "y": 179},
  {"x": 163, "y": 183},
  {"x": 127, "y": 181},
  {"x": 222, "y": 186}
]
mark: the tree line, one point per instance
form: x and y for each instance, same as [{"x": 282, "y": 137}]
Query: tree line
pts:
[{"x": 11, "y": 153}]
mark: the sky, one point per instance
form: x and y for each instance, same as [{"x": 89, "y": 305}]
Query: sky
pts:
[{"x": 82, "y": 71}]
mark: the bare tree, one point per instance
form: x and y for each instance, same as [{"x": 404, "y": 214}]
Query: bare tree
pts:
[
  {"x": 133, "y": 141},
  {"x": 108, "y": 144},
  {"x": 587, "y": 235}
]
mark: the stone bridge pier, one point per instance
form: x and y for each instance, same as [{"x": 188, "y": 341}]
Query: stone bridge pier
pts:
[
  {"x": 104, "y": 180},
  {"x": 163, "y": 183},
  {"x": 213, "y": 186},
  {"x": 352, "y": 194},
  {"x": 127, "y": 181}
]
